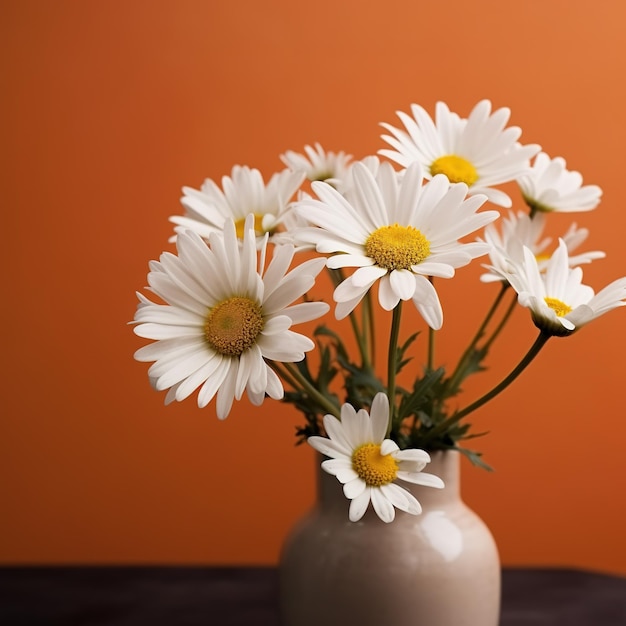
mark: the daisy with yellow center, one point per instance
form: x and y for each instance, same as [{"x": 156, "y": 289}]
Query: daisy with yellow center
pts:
[
  {"x": 559, "y": 302},
  {"x": 549, "y": 187},
  {"x": 478, "y": 151},
  {"x": 223, "y": 318},
  {"x": 368, "y": 465},
  {"x": 318, "y": 164},
  {"x": 518, "y": 230},
  {"x": 457, "y": 169},
  {"x": 243, "y": 192},
  {"x": 396, "y": 231}
]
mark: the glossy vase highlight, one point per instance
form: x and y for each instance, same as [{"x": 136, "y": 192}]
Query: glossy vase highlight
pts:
[{"x": 440, "y": 568}]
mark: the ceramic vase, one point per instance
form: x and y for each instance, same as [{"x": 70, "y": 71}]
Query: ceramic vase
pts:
[{"x": 439, "y": 568}]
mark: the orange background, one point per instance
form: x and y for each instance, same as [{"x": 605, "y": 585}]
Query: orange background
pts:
[{"x": 108, "y": 108}]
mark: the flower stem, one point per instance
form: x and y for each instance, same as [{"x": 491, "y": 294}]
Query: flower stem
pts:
[
  {"x": 431, "y": 349},
  {"x": 457, "y": 375},
  {"x": 297, "y": 380},
  {"x": 521, "y": 366},
  {"x": 392, "y": 362},
  {"x": 369, "y": 323},
  {"x": 502, "y": 324},
  {"x": 430, "y": 359},
  {"x": 337, "y": 277}
]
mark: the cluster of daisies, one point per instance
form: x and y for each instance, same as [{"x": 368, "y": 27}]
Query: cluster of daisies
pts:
[{"x": 385, "y": 227}]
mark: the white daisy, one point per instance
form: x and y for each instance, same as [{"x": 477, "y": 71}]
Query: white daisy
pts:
[
  {"x": 347, "y": 184},
  {"x": 519, "y": 230},
  {"x": 397, "y": 231},
  {"x": 222, "y": 318},
  {"x": 573, "y": 238},
  {"x": 318, "y": 164},
  {"x": 558, "y": 301},
  {"x": 367, "y": 464},
  {"x": 477, "y": 151},
  {"x": 550, "y": 187},
  {"x": 242, "y": 193},
  {"x": 293, "y": 221}
]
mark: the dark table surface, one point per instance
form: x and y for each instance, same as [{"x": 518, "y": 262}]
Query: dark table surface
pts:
[{"x": 228, "y": 596}]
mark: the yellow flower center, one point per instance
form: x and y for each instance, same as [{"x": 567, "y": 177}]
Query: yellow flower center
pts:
[
  {"x": 559, "y": 307},
  {"x": 233, "y": 325},
  {"x": 258, "y": 225},
  {"x": 374, "y": 468},
  {"x": 397, "y": 247},
  {"x": 456, "y": 168}
]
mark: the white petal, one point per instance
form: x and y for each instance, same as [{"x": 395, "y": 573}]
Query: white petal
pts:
[
  {"x": 160, "y": 331},
  {"x": 278, "y": 266},
  {"x": 341, "y": 469},
  {"x": 286, "y": 347},
  {"x": 354, "y": 488},
  {"x": 244, "y": 368},
  {"x": 172, "y": 368},
  {"x": 413, "y": 455},
  {"x": 387, "y": 297},
  {"x": 401, "y": 498},
  {"x": 274, "y": 387},
  {"x": 346, "y": 291},
  {"x": 367, "y": 275},
  {"x": 335, "y": 430},
  {"x": 226, "y": 393},
  {"x": 168, "y": 348},
  {"x": 255, "y": 375},
  {"x": 379, "y": 416},
  {"x": 402, "y": 283},
  {"x": 212, "y": 384},
  {"x": 384, "y": 509},
  {"x": 327, "y": 447},
  {"x": 192, "y": 382},
  {"x": 349, "y": 260},
  {"x": 359, "y": 505},
  {"x": 343, "y": 309},
  {"x": 306, "y": 311},
  {"x": 426, "y": 301},
  {"x": 388, "y": 446},
  {"x": 421, "y": 478},
  {"x": 276, "y": 324},
  {"x": 356, "y": 427}
]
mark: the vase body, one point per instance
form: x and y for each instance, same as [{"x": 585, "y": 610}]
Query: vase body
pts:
[{"x": 439, "y": 568}]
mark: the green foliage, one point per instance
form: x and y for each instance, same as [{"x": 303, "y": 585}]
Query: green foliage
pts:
[
  {"x": 423, "y": 416},
  {"x": 421, "y": 411},
  {"x": 306, "y": 403}
]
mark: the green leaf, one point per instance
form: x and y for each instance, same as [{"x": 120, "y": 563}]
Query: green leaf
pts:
[
  {"x": 401, "y": 361},
  {"x": 475, "y": 458},
  {"x": 472, "y": 364},
  {"x": 424, "y": 390},
  {"x": 323, "y": 331}
]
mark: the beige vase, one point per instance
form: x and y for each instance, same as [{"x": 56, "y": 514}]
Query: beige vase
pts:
[{"x": 440, "y": 568}]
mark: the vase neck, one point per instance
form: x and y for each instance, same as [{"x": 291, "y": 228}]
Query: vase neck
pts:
[{"x": 447, "y": 465}]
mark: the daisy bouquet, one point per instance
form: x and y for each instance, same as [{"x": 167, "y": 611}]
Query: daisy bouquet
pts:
[{"x": 385, "y": 229}]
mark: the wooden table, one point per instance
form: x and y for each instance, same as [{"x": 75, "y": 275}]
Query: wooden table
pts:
[{"x": 190, "y": 596}]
